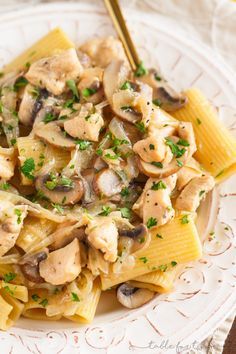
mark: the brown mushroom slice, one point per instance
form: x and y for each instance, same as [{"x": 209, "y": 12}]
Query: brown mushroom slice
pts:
[
  {"x": 114, "y": 76},
  {"x": 166, "y": 96},
  {"x": 62, "y": 265},
  {"x": 52, "y": 134},
  {"x": 30, "y": 266},
  {"x": 191, "y": 196},
  {"x": 65, "y": 234},
  {"x": 61, "y": 194},
  {"x": 132, "y": 297},
  {"x": 107, "y": 183}
]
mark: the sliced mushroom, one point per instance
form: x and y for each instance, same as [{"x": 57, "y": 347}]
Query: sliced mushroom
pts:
[
  {"x": 52, "y": 73},
  {"x": 65, "y": 234},
  {"x": 137, "y": 232},
  {"x": 30, "y": 266},
  {"x": 60, "y": 194},
  {"x": 191, "y": 196},
  {"x": 132, "y": 297},
  {"x": 31, "y": 105},
  {"x": 107, "y": 183},
  {"x": 52, "y": 134},
  {"x": 62, "y": 265},
  {"x": 166, "y": 96}
]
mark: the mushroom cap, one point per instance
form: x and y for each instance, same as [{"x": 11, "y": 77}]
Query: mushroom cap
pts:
[
  {"x": 132, "y": 297},
  {"x": 69, "y": 195},
  {"x": 137, "y": 232},
  {"x": 52, "y": 134},
  {"x": 30, "y": 267}
]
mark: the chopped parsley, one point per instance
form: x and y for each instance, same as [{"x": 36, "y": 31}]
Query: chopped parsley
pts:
[
  {"x": 179, "y": 163},
  {"x": 106, "y": 210},
  {"x": 49, "y": 117},
  {"x": 51, "y": 185},
  {"x": 173, "y": 263},
  {"x": 152, "y": 147},
  {"x": 141, "y": 127},
  {"x": 198, "y": 121},
  {"x": 18, "y": 213},
  {"x": 44, "y": 302},
  {"x": 157, "y": 102},
  {"x": 112, "y": 157},
  {"x": 58, "y": 208},
  {"x": 159, "y": 236},
  {"x": 126, "y": 86},
  {"x": 83, "y": 144},
  {"x": 125, "y": 212},
  {"x": 72, "y": 86},
  {"x": 141, "y": 70},
  {"x": 35, "y": 297},
  {"x": 28, "y": 168},
  {"x": 13, "y": 141},
  {"x": 157, "y": 77},
  {"x": 141, "y": 240},
  {"x": 99, "y": 152},
  {"x": 183, "y": 142},
  {"x": 125, "y": 192},
  {"x": 7, "y": 288},
  {"x": 35, "y": 92},
  {"x": 74, "y": 297},
  {"x": 69, "y": 104},
  {"x": 201, "y": 193},
  {"x": 5, "y": 186},
  {"x": 151, "y": 222},
  {"x": 158, "y": 185},
  {"x": 143, "y": 259},
  {"x": 163, "y": 267},
  {"x": 20, "y": 82},
  {"x": 88, "y": 92},
  {"x": 184, "y": 219},
  {"x": 9, "y": 277},
  {"x": 157, "y": 164},
  {"x": 176, "y": 151}
]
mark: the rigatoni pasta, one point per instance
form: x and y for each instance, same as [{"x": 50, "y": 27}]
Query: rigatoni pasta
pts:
[{"x": 99, "y": 185}]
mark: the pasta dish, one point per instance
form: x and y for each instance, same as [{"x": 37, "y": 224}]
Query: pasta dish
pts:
[{"x": 102, "y": 171}]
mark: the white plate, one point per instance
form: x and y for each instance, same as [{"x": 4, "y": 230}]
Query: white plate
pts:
[{"x": 205, "y": 290}]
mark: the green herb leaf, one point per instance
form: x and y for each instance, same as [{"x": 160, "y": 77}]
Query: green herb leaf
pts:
[
  {"x": 141, "y": 127},
  {"x": 158, "y": 185},
  {"x": 152, "y": 147},
  {"x": 20, "y": 82},
  {"x": 174, "y": 263},
  {"x": 158, "y": 236},
  {"x": 198, "y": 121},
  {"x": 157, "y": 164},
  {"x": 18, "y": 213},
  {"x": 49, "y": 117},
  {"x": 163, "y": 267},
  {"x": 7, "y": 289},
  {"x": 184, "y": 219},
  {"x": 88, "y": 92},
  {"x": 35, "y": 297},
  {"x": 201, "y": 193},
  {"x": 151, "y": 222},
  {"x": 35, "y": 92},
  {"x": 141, "y": 70},
  {"x": 99, "y": 152},
  {"x": 44, "y": 302},
  {"x": 5, "y": 186},
  {"x": 112, "y": 157},
  {"x": 51, "y": 185},
  {"x": 28, "y": 168},
  {"x": 183, "y": 142},
  {"x": 106, "y": 210},
  {"x": 125, "y": 192},
  {"x": 176, "y": 151},
  {"x": 179, "y": 163},
  {"x": 72, "y": 86},
  {"x": 157, "y": 102},
  {"x": 83, "y": 144},
  {"x": 13, "y": 141},
  {"x": 9, "y": 277},
  {"x": 157, "y": 77},
  {"x": 75, "y": 297},
  {"x": 126, "y": 86},
  {"x": 143, "y": 259},
  {"x": 58, "y": 208},
  {"x": 125, "y": 212}
]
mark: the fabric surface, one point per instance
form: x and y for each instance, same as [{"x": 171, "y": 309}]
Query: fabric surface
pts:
[{"x": 212, "y": 22}]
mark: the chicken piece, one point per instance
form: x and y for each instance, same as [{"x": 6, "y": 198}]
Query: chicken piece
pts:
[
  {"x": 189, "y": 171},
  {"x": 84, "y": 127},
  {"x": 107, "y": 183},
  {"x": 11, "y": 221},
  {"x": 191, "y": 196},
  {"x": 62, "y": 265},
  {"x": 27, "y": 106},
  {"x": 7, "y": 163},
  {"x": 155, "y": 201},
  {"x": 103, "y": 235},
  {"x": 152, "y": 148},
  {"x": 91, "y": 84},
  {"x": 163, "y": 123},
  {"x": 53, "y": 72},
  {"x": 103, "y": 50}
]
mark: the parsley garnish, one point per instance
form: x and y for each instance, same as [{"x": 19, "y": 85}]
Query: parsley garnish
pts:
[
  {"x": 112, "y": 157},
  {"x": 201, "y": 193},
  {"x": 174, "y": 263},
  {"x": 158, "y": 185},
  {"x": 163, "y": 267},
  {"x": 99, "y": 152},
  {"x": 35, "y": 92},
  {"x": 5, "y": 186},
  {"x": 74, "y": 297},
  {"x": 141, "y": 127},
  {"x": 49, "y": 117},
  {"x": 9, "y": 277},
  {"x": 18, "y": 214},
  {"x": 141, "y": 70},
  {"x": 125, "y": 212},
  {"x": 106, "y": 210},
  {"x": 157, "y": 77},
  {"x": 44, "y": 302},
  {"x": 157, "y": 102},
  {"x": 183, "y": 142},
  {"x": 157, "y": 164},
  {"x": 20, "y": 82},
  {"x": 184, "y": 219},
  {"x": 7, "y": 288},
  {"x": 28, "y": 168},
  {"x": 151, "y": 147},
  {"x": 35, "y": 297},
  {"x": 13, "y": 141},
  {"x": 72, "y": 86},
  {"x": 151, "y": 222},
  {"x": 179, "y": 163},
  {"x": 158, "y": 236},
  {"x": 126, "y": 86},
  {"x": 125, "y": 192},
  {"x": 199, "y": 121},
  {"x": 88, "y": 92},
  {"x": 143, "y": 259},
  {"x": 83, "y": 144},
  {"x": 176, "y": 151}
]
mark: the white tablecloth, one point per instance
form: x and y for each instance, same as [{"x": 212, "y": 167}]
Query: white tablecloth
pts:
[{"x": 212, "y": 22}]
